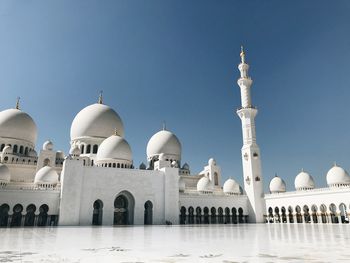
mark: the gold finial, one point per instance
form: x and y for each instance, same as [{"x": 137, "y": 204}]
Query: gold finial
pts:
[
  {"x": 17, "y": 103},
  {"x": 335, "y": 163},
  {"x": 242, "y": 55},
  {"x": 302, "y": 170},
  {"x": 164, "y": 126},
  {"x": 100, "y": 98},
  {"x": 116, "y": 131}
]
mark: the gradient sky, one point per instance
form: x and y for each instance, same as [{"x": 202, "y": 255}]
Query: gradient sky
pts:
[{"x": 177, "y": 61}]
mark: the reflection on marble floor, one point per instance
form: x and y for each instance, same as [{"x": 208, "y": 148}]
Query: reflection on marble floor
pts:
[{"x": 221, "y": 243}]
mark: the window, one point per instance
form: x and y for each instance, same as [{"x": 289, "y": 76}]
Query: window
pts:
[
  {"x": 216, "y": 178},
  {"x": 88, "y": 148},
  {"x": 21, "y": 150},
  {"x": 82, "y": 148},
  {"x": 94, "y": 149},
  {"x": 15, "y": 148}
]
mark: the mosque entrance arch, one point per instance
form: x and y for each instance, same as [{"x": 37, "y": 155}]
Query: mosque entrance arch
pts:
[
  {"x": 124, "y": 209},
  {"x": 148, "y": 214},
  {"x": 97, "y": 213}
]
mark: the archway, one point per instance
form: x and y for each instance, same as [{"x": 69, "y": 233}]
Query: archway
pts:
[
  {"x": 284, "y": 217},
  {"x": 42, "y": 219},
  {"x": 290, "y": 214},
  {"x": 234, "y": 215},
  {"x": 17, "y": 215},
  {"x": 124, "y": 209},
  {"x": 97, "y": 213},
  {"x": 198, "y": 215},
  {"x": 183, "y": 215},
  {"x": 227, "y": 216},
  {"x": 307, "y": 218},
  {"x": 333, "y": 213},
  {"x": 298, "y": 214},
  {"x": 270, "y": 216},
  {"x": 277, "y": 215},
  {"x": 4, "y": 214},
  {"x": 323, "y": 210},
  {"x": 206, "y": 215},
  {"x": 191, "y": 215},
  {"x": 220, "y": 215},
  {"x": 240, "y": 215},
  {"x": 213, "y": 215},
  {"x": 30, "y": 216},
  {"x": 148, "y": 215},
  {"x": 343, "y": 214},
  {"x": 314, "y": 214}
]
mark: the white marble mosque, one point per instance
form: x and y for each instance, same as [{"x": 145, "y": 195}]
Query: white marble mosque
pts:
[{"x": 97, "y": 183}]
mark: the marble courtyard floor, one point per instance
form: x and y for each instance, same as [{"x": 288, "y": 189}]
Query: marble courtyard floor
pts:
[{"x": 198, "y": 243}]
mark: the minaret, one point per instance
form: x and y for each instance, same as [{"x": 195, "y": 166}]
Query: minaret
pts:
[{"x": 253, "y": 184}]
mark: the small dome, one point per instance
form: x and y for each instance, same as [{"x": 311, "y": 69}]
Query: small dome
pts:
[
  {"x": 114, "y": 148},
  {"x": 175, "y": 164},
  {"x": 97, "y": 120},
  {"x": 337, "y": 176},
  {"x": 17, "y": 124},
  {"x": 164, "y": 142},
  {"x": 32, "y": 153},
  {"x": 59, "y": 155},
  {"x": 204, "y": 185},
  {"x": 182, "y": 185},
  {"x": 48, "y": 146},
  {"x": 75, "y": 150},
  {"x": 231, "y": 187},
  {"x": 304, "y": 181},
  {"x": 211, "y": 162},
  {"x": 7, "y": 150},
  {"x": 46, "y": 175},
  {"x": 277, "y": 185},
  {"x": 186, "y": 166},
  {"x": 5, "y": 175},
  {"x": 142, "y": 166}
]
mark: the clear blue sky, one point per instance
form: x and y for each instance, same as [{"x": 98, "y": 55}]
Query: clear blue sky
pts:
[{"x": 177, "y": 61}]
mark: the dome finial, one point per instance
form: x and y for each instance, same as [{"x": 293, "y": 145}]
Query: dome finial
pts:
[
  {"x": 17, "y": 103},
  {"x": 302, "y": 169},
  {"x": 116, "y": 132},
  {"x": 335, "y": 163},
  {"x": 164, "y": 126},
  {"x": 276, "y": 175},
  {"x": 100, "y": 98},
  {"x": 242, "y": 55}
]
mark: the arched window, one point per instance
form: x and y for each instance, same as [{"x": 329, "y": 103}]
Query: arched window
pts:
[
  {"x": 191, "y": 215},
  {"x": 42, "y": 218},
  {"x": 227, "y": 216},
  {"x": 17, "y": 215},
  {"x": 298, "y": 214},
  {"x": 343, "y": 214},
  {"x": 206, "y": 215},
  {"x": 2, "y": 146},
  {"x": 82, "y": 148},
  {"x": 88, "y": 148},
  {"x": 182, "y": 215},
  {"x": 290, "y": 214},
  {"x": 97, "y": 213},
  {"x": 46, "y": 162},
  {"x": 118, "y": 165},
  {"x": 26, "y": 151},
  {"x": 284, "y": 217},
  {"x": 216, "y": 178},
  {"x": 240, "y": 215},
  {"x": 4, "y": 214},
  {"x": 220, "y": 215},
  {"x": 314, "y": 214},
  {"x": 198, "y": 215},
  {"x": 277, "y": 215},
  {"x": 333, "y": 213},
  {"x": 114, "y": 165},
  {"x": 307, "y": 218},
  {"x": 95, "y": 148},
  {"x": 213, "y": 215},
  {"x": 148, "y": 214},
  {"x": 15, "y": 148},
  {"x": 30, "y": 216},
  {"x": 21, "y": 149}
]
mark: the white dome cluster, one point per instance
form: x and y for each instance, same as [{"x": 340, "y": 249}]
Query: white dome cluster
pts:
[
  {"x": 304, "y": 181},
  {"x": 204, "y": 185},
  {"x": 231, "y": 187},
  {"x": 277, "y": 185},
  {"x": 114, "y": 150},
  {"x": 46, "y": 177},
  {"x": 96, "y": 120},
  {"x": 164, "y": 142},
  {"x": 337, "y": 177},
  {"x": 19, "y": 125}
]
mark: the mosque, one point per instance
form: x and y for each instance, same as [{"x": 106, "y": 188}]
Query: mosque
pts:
[{"x": 98, "y": 184}]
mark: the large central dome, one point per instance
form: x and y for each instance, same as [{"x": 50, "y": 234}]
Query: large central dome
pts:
[
  {"x": 96, "y": 120},
  {"x": 17, "y": 124}
]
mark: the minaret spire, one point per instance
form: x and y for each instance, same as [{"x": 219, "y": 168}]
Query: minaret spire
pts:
[
  {"x": 251, "y": 163},
  {"x": 100, "y": 98},
  {"x": 17, "y": 103}
]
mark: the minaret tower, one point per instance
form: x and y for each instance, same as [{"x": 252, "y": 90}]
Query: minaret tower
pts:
[{"x": 253, "y": 184}]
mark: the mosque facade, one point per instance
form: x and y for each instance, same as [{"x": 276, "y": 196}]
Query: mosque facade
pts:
[{"x": 96, "y": 183}]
